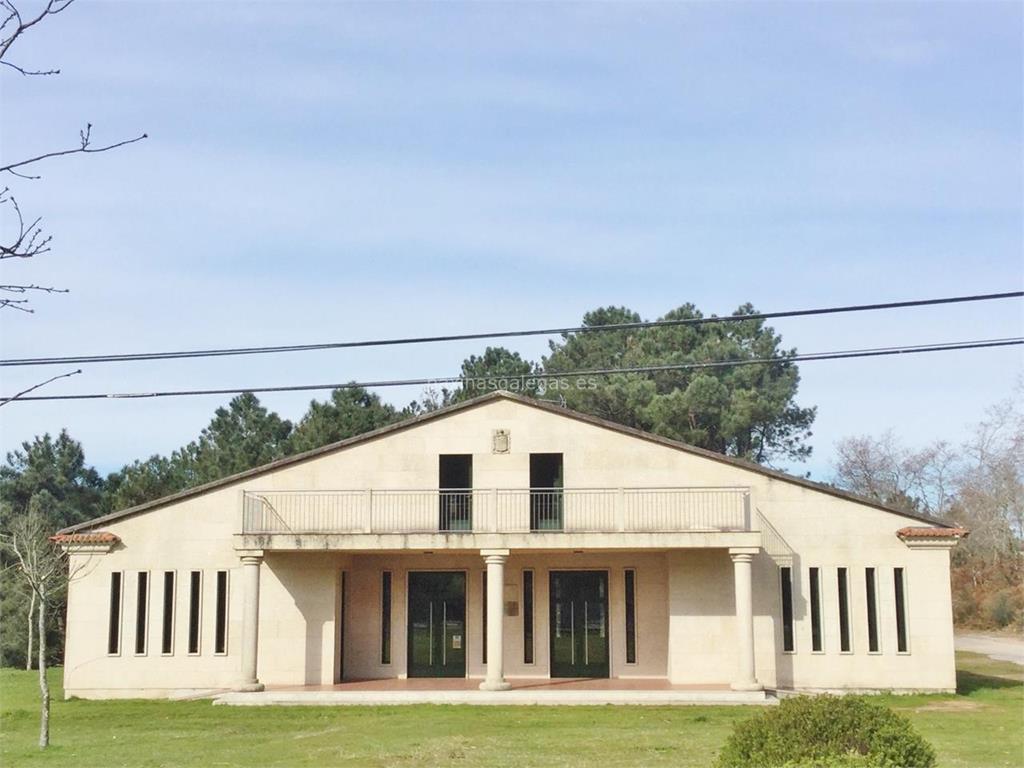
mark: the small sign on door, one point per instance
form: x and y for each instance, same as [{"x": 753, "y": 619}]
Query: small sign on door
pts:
[{"x": 456, "y": 642}]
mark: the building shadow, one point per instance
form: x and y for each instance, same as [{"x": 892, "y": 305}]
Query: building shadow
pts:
[{"x": 970, "y": 682}]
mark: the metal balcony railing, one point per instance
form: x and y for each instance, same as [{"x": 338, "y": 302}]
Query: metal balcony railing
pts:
[{"x": 497, "y": 510}]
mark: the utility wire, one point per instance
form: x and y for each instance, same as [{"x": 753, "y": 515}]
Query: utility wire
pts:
[
  {"x": 263, "y": 350},
  {"x": 838, "y": 355}
]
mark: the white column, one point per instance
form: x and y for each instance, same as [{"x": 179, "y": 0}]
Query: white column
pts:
[
  {"x": 742, "y": 559},
  {"x": 495, "y": 680},
  {"x": 250, "y": 620}
]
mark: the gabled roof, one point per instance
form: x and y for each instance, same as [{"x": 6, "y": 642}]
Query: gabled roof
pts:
[{"x": 476, "y": 402}]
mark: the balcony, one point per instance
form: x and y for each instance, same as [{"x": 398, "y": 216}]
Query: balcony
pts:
[{"x": 521, "y": 511}]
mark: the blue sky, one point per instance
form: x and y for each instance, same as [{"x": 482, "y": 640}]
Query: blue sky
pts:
[{"x": 333, "y": 171}]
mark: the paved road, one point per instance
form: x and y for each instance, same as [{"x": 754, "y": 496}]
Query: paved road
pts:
[{"x": 1001, "y": 647}]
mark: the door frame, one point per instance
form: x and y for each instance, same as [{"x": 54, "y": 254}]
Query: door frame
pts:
[
  {"x": 408, "y": 622},
  {"x": 607, "y": 615}
]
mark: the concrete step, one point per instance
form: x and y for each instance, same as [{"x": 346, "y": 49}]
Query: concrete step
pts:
[{"x": 495, "y": 698}]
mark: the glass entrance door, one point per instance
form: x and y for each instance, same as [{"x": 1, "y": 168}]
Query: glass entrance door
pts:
[
  {"x": 437, "y": 624},
  {"x": 579, "y": 624}
]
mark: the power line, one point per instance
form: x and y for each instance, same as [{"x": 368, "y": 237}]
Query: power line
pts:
[
  {"x": 837, "y": 355},
  {"x": 264, "y": 350}
]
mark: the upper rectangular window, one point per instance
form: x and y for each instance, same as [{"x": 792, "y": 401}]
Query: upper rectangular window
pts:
[
  {"x": 385, "y": 617},
  {"x": 141, "y": 612},
  {"x": 902, "y": 646},
  {"x": 817, "y": 641},
  {"x": 843, "y": 584},
  {"x": 220, "y": 634},
  {"x": 195, "y": 609},
  {"x": 871, "y": 599},
  {"x": 527, "y": 617},
  {"x": 114, "y": 621},
  {"x": 167, "y": 629},
  {"x": 786, "y": 584},
  {"x": 630, "y": 587},
  {"x": 546, "y": 482},
  {"x": 455, "y": 483}
]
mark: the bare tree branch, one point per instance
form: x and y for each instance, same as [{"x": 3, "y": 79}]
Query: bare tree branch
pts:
[
  {"x": 6, "y": 400},
  {"x": 30, "y": 72},
  {"x": 29, "y": 239},
  {"x": 14, "y": 25},
  {"x": 84, "y": 148},
  {"x": 19, "y": 304},
  {"x": 23, "y": 288},
  {"x": 23, "y": 175}
]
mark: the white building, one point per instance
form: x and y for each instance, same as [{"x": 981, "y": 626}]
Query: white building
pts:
[{"x": 505, "y": 539}]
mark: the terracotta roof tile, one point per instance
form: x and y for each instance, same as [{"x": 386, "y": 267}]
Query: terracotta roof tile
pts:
[
  {"x": 96, "y": 537},
  {"x": 932, "y": 533}
]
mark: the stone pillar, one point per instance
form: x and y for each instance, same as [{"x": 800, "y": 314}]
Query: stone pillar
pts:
[
  {"x": 742, "y": 559},
  {"x": 495, "y": 680},
  {"x": 250, "y": 620}
]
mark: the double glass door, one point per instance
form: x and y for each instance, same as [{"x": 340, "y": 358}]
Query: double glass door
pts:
[
  {"x": 579, "y": 624},
  {"x": 437, "y": 624}
]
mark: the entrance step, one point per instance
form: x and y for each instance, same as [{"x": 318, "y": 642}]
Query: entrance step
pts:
[{"x": 320, "y": 698}]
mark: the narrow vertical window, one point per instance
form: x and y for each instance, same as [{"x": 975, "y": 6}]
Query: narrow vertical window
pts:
[
  {"x": 114, "y": 625},
  {"x": 195, "y": 605},
  {"x": 786, "y": 578},
  {"x": 901, "y": 610},
  {"x": 342, "y": 605},
  {"x": 385, "y": 617},
  {"x": 141, "y": 612},
  {"x": 167, "y": 630},
  {"x": 872, "y": 604},
  {"x": 528, "y": 617},
  {"x": 483, "y": 620},
  {"x": 630, "y": 579},
  {"x": 843, "y": 584},
  {"x": 220, "y": 633},
  {"x": 816, "y": 639}
]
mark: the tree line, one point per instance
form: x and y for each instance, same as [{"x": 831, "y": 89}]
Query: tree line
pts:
[
  {"x": 978, "y": 484},
  {"x": 748, "y": 411}
]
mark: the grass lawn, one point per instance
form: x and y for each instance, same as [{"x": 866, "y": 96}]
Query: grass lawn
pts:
[{"x": 982, "y": 726}]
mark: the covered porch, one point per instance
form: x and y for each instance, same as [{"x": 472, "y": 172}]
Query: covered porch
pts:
[
  {"x": 644, "y": 586},
  {"x": 658, "y": 624}
]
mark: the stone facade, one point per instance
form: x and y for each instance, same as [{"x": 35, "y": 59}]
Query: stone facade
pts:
[{"x": 707, "y": 596}]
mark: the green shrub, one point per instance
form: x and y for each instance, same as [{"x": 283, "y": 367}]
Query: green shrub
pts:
[
  {"x": 826, "y": 732},
  {"x": 846, "y": 761}
]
